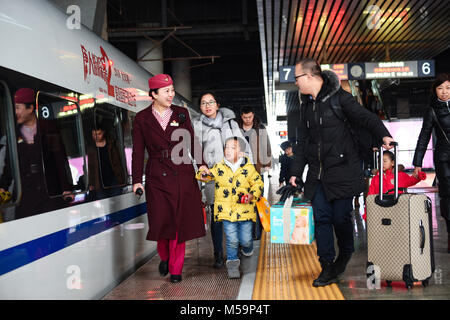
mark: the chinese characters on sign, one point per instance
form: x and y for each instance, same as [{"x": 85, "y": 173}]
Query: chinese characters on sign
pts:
[
  {"x": 102, "y": 67},
  {"x": 371, "y": 70}
]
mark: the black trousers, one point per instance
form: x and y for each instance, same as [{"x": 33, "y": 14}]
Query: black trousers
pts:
[
  {"x": 328, "y": 216},
  {"x": 443, "y": 176}
]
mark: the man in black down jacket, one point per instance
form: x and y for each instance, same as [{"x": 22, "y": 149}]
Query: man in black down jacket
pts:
[{"x": 334, "y": 168}]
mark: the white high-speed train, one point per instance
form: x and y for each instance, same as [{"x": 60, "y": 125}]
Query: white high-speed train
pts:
[{"x": 90, "y": 244}]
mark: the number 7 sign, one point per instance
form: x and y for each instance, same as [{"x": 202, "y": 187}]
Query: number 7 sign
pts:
[{"x": 287, "y": 74}]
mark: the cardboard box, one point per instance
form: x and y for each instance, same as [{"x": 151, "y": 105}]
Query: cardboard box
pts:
[{"x": 301, "y": 229}]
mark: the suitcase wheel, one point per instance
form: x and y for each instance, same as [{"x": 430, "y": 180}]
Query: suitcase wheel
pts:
[
  {"x": 425, "y": 283},
  {"x": 409, "y": 285}
]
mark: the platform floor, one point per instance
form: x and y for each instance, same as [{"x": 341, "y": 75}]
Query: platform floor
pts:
[{"x": 282, "y": 272}]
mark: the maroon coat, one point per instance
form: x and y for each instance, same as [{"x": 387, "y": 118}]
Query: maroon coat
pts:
[{"x": 173, "y": 196}]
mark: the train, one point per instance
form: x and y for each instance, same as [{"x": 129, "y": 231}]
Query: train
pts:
[{"x": 95, "y": 240}]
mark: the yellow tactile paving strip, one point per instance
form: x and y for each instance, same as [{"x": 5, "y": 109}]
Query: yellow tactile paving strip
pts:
[{"x": 286, "y": 272}]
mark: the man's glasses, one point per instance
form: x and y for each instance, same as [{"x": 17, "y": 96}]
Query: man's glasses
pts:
[
  {"x": 211, "y": 103},
  {"x": 300, "y": 76}
]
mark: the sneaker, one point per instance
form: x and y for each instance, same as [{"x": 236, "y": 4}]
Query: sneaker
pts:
[
  {"x": 327, "y": 276},
  {"x": 233, "y": 269}
]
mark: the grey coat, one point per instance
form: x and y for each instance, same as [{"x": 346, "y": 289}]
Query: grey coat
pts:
[{"x": 212, "y": 140}]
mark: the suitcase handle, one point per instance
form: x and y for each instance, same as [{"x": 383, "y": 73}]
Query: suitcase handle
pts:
[
  {"x": 387, "y": 200},
  {"x": 380, "y": 166},
  {"x": 422, "y": 237}
]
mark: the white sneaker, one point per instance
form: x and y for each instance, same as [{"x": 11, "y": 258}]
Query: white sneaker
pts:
[{"x": 233, "y": 269}]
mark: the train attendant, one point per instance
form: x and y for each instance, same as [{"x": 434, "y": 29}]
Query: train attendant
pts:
[
  {"x": 39, "y": 144},
  {"x": 174, "y": 207}
]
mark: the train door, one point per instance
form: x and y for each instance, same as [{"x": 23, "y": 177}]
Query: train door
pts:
[
  {"x": 10, "y": 186},
  {"x": 107, "y": 165},
  {"x": 62, "y": 144}
]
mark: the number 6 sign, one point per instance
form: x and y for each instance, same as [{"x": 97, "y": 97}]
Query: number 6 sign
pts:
[{"x": 425, "y": 68}]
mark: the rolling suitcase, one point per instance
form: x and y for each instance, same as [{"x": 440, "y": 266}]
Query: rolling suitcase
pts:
[{"x": 399, "y": 235}]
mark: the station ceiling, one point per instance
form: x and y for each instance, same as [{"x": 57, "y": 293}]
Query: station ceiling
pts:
[
  {"x": 220, "y": 39},
  {"x": 254, "y": 38},
  {"x": 341, "y": 31}
]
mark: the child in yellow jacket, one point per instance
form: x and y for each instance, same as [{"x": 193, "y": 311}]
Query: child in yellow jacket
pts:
[{"x": 238, "y": 186}]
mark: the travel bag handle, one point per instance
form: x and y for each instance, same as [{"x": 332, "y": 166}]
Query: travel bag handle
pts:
[
  {"x": 387, "y": 200},
  {"x": 380, "y": 170}
]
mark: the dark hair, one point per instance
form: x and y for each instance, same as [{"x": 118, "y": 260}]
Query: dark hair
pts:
[
  {"x": 440, "y": 79},
  {"x": 311, "y": 65},
  {"x": 246, "y": 109},
  {"x": 208, "y": 92},
  {"x": 390, "y": 154},
  {"x": 240, "y": 141},
  {"x": 99, "y": 125},
  {"x": 152, "y": 90},
  {"x": 285, "y": 145},
  {"x": 28, "y": 105}
]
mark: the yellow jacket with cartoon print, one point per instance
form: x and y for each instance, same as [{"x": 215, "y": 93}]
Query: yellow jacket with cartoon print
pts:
[{"x": 229, "y": 186}]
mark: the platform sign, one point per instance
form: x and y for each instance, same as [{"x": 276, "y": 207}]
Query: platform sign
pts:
[
  {"x": 287, "y": 74},
  {"x": 356, "y": 71},
  {"x": 371, "y": 70},
  {"x": 395, "y": 69},
  {"x": 341, "y": 69},
  {"x": 425, "y": 68}
]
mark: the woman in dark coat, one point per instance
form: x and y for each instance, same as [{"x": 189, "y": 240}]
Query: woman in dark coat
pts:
[
  {"x": 437, "y": 116},
  {"x": 174, "y": 206}
]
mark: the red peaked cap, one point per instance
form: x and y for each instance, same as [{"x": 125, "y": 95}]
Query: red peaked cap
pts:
[
  {"x": 159, "y": 81},
  {"x": 25, "y": 95}
]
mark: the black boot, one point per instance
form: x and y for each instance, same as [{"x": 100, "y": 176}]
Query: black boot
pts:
[
  {"x": 341, "y": 263},
  {"x": 218, "y": 260},
  {"x": 327, "y": 276},
  {"x": 448, "y": 247},
  {"x": 175, "y": 278},
  {"x": 164, "y": 268}
]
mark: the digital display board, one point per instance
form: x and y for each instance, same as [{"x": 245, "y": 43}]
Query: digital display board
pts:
[
  {"x": 371, "y": 70},
  {"x": 341, "y": 69},
  {"x": 383, "y": 70}
]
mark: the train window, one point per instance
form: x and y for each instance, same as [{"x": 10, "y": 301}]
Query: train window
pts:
[
  {"x": 62, "y": 145},
  {"x": 105, "y": 150},
  {"x": 127, "y": 140},
  {"x": 10, "y": 186},
  {"x": 131, "y": 119}
]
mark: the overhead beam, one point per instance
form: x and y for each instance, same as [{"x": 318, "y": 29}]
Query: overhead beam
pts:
[{"x": 183, "y": 58}]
